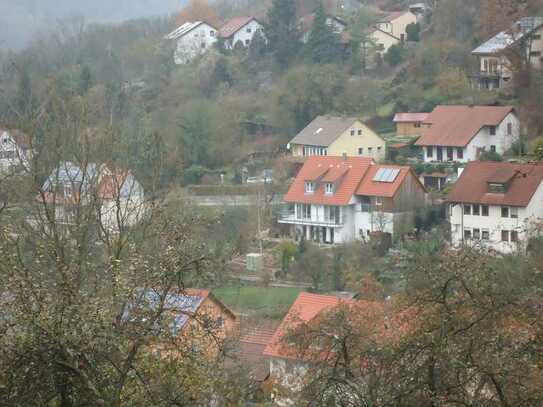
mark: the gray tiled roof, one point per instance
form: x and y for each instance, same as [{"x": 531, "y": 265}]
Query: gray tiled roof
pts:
[
  {"x": 506, "y": 38},
  {"x": 323, "y": 130}
]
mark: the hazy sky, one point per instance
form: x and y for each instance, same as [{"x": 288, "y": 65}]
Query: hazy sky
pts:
[{"x": 21, "y": 19}]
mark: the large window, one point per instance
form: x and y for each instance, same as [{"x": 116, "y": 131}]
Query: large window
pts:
[
  {"x": 505, "y": 211},
  {"x": 476, "y": 210},
  {"x": 514, "y": 236},
  {"x": 513, "y": 212},
  {"x": 485, "y": 235},
  {"x": 467, "y": 209},
  {"x": 505, "y": 235},
  {"x": 303, "y": 211},
  {"x": 460, "y": 153},
  {"x": 467, "y": 234},
  {"x": 476, "y": 233},
  {"x": 429, "y": 152},
  {"x": 484, "y": 210}
]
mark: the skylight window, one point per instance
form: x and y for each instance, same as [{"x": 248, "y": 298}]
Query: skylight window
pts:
[
  {"x": 318, "y": 130},
  {"x": 386, "y": 174}
]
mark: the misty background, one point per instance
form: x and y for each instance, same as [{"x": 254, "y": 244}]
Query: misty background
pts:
[{"x": 22, "y": 20}]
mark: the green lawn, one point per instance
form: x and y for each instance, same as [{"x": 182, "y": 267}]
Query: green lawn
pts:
[{"x": 272, "y": 302}]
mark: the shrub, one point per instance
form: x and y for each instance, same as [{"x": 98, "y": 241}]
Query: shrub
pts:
[
  {"x": 490, "y": 156},
  {"x": 394, "y": 56},
  {"x": 413, "y": 32}
]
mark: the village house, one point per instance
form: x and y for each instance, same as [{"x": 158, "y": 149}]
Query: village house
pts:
[
  {"x": 409, "y": 125},
  {"x": 297, "y": 346},
  {"x": 197, "y": 320},
  {"x": 392, "y": 29},
  {"x": 15, "y": 151},
  {"x": 192, "y": 39},
  {"x": 239, "y": 31},
  {"x": 342, "y": 199},
  {"x": 499, "y": 56},
  {"x": 496, "y": 205},
  {"x": 116, "y": 195},
  {"x": 463, "y": 133},
  {"x": 333, "y": 135},
  {"x": 337, "y": 24}
]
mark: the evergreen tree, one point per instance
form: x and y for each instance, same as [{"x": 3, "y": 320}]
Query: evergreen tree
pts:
[
  {"x": 282, "y": 30},
  {"x": 323, "y": 45},
  {"x": 85, "y": 80}
]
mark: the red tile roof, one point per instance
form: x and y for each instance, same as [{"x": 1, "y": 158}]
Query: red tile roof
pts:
[
  {"x": 111, "y": 184},
  {"x": 472, "y": 186},
  {"x": 233, "y": 25},
  {"x": 455, "y": 126},
  {"x": 369, "y": 187},
  {"x": 306, "y": 307},
  {"x": 410, "y": 117},
  {"x": 352, "y": 176},
  {"x": 356, "y": 168},
  {"x": 382, "y": 320}
]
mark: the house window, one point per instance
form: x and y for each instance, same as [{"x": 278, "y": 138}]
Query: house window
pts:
[
  {"x": 509, "y": 129},
  {"x": 514, "y": 236},
  {"x": 378, "y": 201},
  {"x": 360, "y": 151},
  {"x": 493, "y": 149},
  {"x": 329, "y": 188},
  {"x": 492, "y": 130},
  {"x": 309, "y": 187},
  {"x": 535, "y": 53},
  {"x": 460, "y": 153},
  {"x": 484, "y": 210},
  {"x": 513, "y": 212},
  {"x": 467, "y": 234},
  {"x": 476, "y": 234},
  {"x": 352, "y": 132},
  {"x": 359, "y": 132},
  {"x": 429, "y": 152},
  {"x": 370, "y": 152},
  {"x": 505, "y": 235},
  {"x": 378, "y": 149},
  {"x": 476, "y": 210},
  {"x": 249, "y": 29},
  {"x": 505, "y": 211},
  {"x": 449, "y": 153},
  {"x": 212, "y": 33},
  {"x": 467, "y": 209},
  {"x": 303, "y": 211},
  {"x": 416, "y": 125},
  {"x": 485, "y": 235},
  {"x": 247, "y": 42}
]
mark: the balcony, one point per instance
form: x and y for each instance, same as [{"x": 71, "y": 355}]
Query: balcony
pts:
[{"x": 289, "y": 217}]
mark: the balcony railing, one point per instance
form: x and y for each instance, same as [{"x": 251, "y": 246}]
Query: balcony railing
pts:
[{"x": 290, "y": 217}]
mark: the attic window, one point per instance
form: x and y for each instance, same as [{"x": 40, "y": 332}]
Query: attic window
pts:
[
  {"x": 492, "y": 130},
  {"x": 352, "y": 132},
  {"x": 309, "y": 187},
  {"x": 496, "y": 187},
  {"x": 329, "y": 188}
]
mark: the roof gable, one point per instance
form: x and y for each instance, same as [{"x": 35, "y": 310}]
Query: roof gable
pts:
[
  {"x": 455, "y": 126},
  {"x": 235, "y": 24},
  {"x": 323, "y": 130},
  {"x": 185, "y": 28},
  {"x": 522, "y": 181}
]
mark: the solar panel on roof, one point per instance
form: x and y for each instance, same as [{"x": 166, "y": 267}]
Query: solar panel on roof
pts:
[{"x": 386, "y": 175}]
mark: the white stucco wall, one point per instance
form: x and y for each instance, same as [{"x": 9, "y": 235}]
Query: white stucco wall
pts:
[
  {"x": 494, "y": 223},
  {"x": 244, "y": 35},
  {"x": 11, "y": 155},
  {"x": 194, "y": 43}
]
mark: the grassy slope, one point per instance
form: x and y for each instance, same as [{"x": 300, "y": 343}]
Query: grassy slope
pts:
[{"x": 272, "y": 302}]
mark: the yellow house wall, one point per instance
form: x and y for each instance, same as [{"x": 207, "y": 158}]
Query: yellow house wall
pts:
[
  {"x": 383, "y": 40},
  {"x": 347, "y": 144},
  {"x": 400, "y": 24},
  {"x": 297, "y": 150}
]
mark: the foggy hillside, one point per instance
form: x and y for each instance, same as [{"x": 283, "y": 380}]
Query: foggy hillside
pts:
[{"x": 20, "y": 20}]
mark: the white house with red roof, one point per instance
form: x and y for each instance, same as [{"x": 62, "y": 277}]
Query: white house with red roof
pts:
[
  {"x": 15, "y": 150},
  {"x": 497, "y": 205},
  {"x": 192, "y": 39},
  {"x": 391, "y": 29},
  {"x": 342, "y": 199},
  {"x": 463, "y": 133},
  {"x": 240, "y": 30}
]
